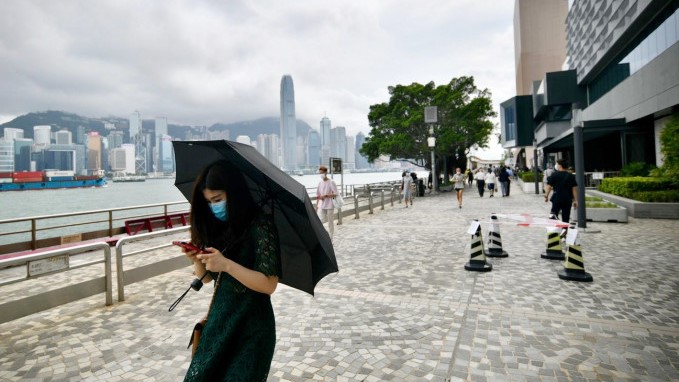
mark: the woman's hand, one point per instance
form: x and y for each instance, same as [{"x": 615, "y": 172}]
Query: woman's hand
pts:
[{"x": 214, "y": 260}]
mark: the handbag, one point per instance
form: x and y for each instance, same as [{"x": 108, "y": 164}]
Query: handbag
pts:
[
  {"x": 338, "y": 201},
  {"x": 198, "y": 328}
]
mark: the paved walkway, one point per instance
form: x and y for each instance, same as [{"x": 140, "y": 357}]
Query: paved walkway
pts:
[{"x": 403, "y": 308}]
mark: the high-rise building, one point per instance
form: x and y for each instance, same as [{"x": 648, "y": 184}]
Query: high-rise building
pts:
[
  {"x": 288, "y": 123},
  {"x": 115, "y": 139},
  {"x": 6, "y": 155},
  {"x": 338, "y": 149},
  {"x": 618, "y": 88},
  {"x": 11, "y": 133},
  {"x": 63, "y": 137},
  {"x": 361, "y": 161},
  {"x": 60, "y": 157},
  {"x": 94, "y": 151},
  {"x": 268, "y": 145},
  {"x": 539, "y": 40},
  {"x": 135, "y": 125},
  {"x": 313, "y": 148},
  {"x": 326, "y": 125},
  {"x": 42, "y": 134},
  {"x": 350, "y": 160},
  {"x": 166, "y": 154},
  {"x": 22, "y": 154}
]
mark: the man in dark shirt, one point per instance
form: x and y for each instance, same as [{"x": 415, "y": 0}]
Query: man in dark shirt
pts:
[{"x": 565, "y": 191}]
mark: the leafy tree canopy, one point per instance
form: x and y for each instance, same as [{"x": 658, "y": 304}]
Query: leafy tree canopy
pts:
[{"x": 398, "y": 128}]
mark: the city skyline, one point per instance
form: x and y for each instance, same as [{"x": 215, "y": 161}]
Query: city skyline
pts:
[{"x": 206, "y": 62}]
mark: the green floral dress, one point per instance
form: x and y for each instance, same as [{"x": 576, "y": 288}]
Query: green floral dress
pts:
[{"x": 238, "y": 340}]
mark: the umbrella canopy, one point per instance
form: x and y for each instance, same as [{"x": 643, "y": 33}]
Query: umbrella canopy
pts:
[{"x": 307, "y": 254}]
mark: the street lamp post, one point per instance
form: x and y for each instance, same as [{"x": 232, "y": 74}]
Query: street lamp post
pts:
[{"x": 432, "y": 143}]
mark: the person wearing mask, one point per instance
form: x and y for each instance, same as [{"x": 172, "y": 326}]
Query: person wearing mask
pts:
[
  {"x": 565, "y": 188},
  {"x": 407, "y": 188},
  {"x": 325, "y": 192},
  {"x": 490, "y": 181},
  {"x": 243, "y": 256},
  {"x": 458, "y": 180}
]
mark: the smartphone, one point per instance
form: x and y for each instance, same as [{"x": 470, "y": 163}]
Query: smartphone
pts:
[{"x": 189, "y": 246}]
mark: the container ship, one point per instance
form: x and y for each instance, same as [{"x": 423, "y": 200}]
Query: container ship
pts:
[{"x": 47, "y": 180}]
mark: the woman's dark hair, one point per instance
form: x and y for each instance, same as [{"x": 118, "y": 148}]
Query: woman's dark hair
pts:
[{"x": 206, "y": 229}]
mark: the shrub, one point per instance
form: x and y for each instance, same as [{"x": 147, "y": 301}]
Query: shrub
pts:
[
  {"x": 528, "y": 176},
  {"x": 669, "y": 147},
  {"x": 637, "y": 169},
  {"x": 626, "y": 187},
  {"x": 665, "y": 196}
]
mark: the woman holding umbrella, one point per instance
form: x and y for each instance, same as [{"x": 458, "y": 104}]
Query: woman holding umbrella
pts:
[{"x": 243, "y": 256}]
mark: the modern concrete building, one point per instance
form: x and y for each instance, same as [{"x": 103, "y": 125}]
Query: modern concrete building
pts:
[
  {"x": 539, "y": 40},
  {"x": 621, "y": 86},
  {"x": 288, "y": 123},
  {"x": 11, "y": 133},
  {"x": 361, "y": 161},
  {"x": 42, "y": 134},
  {"x": 63, "y": 137},
  {"x": 313, "y": 148}
]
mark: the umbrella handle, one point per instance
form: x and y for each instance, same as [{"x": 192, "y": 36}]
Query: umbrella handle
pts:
[{"x": 196, "y": 284}]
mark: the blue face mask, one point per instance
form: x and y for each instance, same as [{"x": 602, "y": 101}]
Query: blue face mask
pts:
[{"x": 219, "y": 210}]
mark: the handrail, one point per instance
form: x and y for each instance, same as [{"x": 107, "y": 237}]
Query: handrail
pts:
[
  {"x": 42, "y": 301},
  {"x": 120, "y": 272}
]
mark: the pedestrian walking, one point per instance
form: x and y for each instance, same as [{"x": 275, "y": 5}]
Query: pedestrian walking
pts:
[
  {"x": 565, "y": 188},
  {"x": 458, "y": 180},
  {"x": 240, "y": 249},
  {"x": 325, "y": 193},
  {"x": 406, "y": 187},
  {"x": 503, "y": 177},
  {"x": 480, "y": 181},
  {"x": 490, "y": 181},
  {"x": 470, "y": 177}
]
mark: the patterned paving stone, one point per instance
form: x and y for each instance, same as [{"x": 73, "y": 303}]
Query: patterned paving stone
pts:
[{"x": 402, "y": 308}]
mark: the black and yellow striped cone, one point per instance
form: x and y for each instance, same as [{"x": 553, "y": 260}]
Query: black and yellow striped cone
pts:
[
  {"x": 477, "y": 261},
  {"x": 495, "y": 239},
  {"x": 554, "y": 250},
  {"x": 574, "y": 266}
]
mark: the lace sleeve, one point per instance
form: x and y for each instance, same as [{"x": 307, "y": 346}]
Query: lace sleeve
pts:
[{"x": 267, "y": 248}]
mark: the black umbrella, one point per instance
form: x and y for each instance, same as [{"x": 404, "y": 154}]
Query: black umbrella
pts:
[{"x": 307, "y": 254}]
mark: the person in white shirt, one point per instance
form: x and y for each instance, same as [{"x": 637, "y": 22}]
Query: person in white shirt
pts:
[
  {"x": 326, "y": 191},
  {"x": 480, "y": 181},
  {"x": 458, "y": 180},
  {"x": 490, "y": 181}
]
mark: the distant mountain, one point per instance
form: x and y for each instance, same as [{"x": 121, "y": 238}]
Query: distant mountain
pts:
[{"x": 64, "y": 120}]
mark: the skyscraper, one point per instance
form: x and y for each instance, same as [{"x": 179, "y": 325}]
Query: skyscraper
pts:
[
  {"x": 361, "y": 161},
  {"x": 288, "y": 123},
  {"x": 42, "y": 134},
  {"x": 314, "y": 148}
]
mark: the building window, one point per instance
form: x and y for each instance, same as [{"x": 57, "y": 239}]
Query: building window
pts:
[{"x": 658, "y": 41}]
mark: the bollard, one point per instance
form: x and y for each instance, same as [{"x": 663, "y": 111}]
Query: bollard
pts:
[
  {"x": 339, "y": 216},
  {"x": 554, "y": 250},
  {"x": 495, "y": 239},
  {"x": 391, "y": 196},
  {"x": 574, "y": 266},
  {"x": 356, "y": 206},
  {"x": 382, "y": 200},
  {"x": 370, "y": 203},
  {"x": 477, "y": 258}
]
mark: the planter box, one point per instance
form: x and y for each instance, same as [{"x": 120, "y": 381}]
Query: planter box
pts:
[
  {"x": 526, "y": 187},
  {"x": 611, "y": 215},
  {"x": 638, "y": 209}
]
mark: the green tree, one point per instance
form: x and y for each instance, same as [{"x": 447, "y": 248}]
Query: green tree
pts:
[
  {"x": 398, "y": 128},
  {"x": 669, "y": 147}
]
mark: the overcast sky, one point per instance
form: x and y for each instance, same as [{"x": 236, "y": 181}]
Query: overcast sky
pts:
[{"x": 200, "y": 62}]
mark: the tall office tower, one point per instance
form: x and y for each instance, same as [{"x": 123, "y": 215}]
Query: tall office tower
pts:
[
  {"x": 11, "y": 133},
  {"x": 115, "y": 139},
  {"x": 361, "y": 161},
  {"x": 338, "y": 138},
  {"x": 22, "y": 154},
  {"x": 42, "y": 135},
  {"x": 94, "y": 150},
  {"x": 351, "y": 153},
  {"x": 326, "y": 125},
  {"x": 159, "y": 130},
  {"x": 6, "y": 155},
  {"x": 63, "y": 137},
  {"x": 60, "y": 157},
  {"x": 80, "y": 135},
  {"x": 313, "y": 148},
  {"x": 288, "y": 123},
  {"x": 539, "y": 40},
  {"x": 135, "y": 125},
  {"x": 166, "y": 155},
  {"x": 300, "y": 152}
]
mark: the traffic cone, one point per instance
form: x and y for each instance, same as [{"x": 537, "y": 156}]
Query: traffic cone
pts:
[
  {"x": 495, "y": 239},
  {"x": 477, "y": 261},
  {"x": 574, "y": 266},
  {"x": 554, "y": 250}
]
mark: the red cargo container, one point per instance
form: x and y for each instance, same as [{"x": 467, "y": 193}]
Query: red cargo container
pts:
[
  {"x": 6, "y": 174},
  {"x": 28, "y": 180},
  {"x": 28, "y": 174}
]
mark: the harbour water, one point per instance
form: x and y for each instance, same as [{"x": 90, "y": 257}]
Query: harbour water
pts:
[{"x": 19, "y": 204}]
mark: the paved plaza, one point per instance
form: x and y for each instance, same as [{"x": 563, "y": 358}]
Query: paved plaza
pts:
[{"x": 403, "y": 308}]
